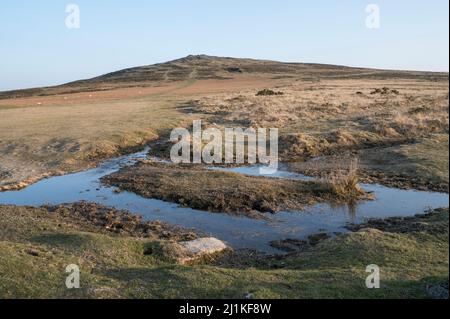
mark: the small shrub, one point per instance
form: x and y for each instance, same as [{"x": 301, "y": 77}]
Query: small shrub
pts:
[
  {"x": 344, "y": 183},
  {"x": 234, "y": 70},
  {"x": 266, "y": 92},
  {"x": 385, "y": 91}
]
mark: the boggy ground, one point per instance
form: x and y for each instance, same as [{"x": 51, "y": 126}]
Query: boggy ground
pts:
[
  {"x": 400, "y": 133},
  {"x": 398, "y": 129},
  {"x": 200, "y": 188},
  {"x": 36, "y": 245},
  {"x": 94, "y": 218},
  {"x": 327, "y": 116}
]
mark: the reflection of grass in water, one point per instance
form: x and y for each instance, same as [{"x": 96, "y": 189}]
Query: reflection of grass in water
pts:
[{"x": 345, "y": 184}]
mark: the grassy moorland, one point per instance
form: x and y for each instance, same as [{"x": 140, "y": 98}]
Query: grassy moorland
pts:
[
  {"x": 395, "y": 122},
  {"x": 397, "y": 128},
  {"x": 38, "y": 243},
  {"x": 45, "y": 140}
]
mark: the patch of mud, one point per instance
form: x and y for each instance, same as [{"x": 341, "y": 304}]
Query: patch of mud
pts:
[
  {"x": 298, "y": 245},
  {"x": 248, "y": 258},
  {"x": 403, "y": 182},
  {"x": 290, "y": 245},
  {"x": 218, "y": 191},
  {"x": 119, "y": 221},
  {"x": 431, "y": 222}
]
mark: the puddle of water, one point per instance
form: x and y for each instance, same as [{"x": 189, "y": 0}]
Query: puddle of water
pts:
[
  {"x": 239, "y": 232},
  {"x": 254, "y": 170}
]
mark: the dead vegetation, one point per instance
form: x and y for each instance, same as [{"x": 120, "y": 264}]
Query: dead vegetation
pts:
[
  {"x": 216, "y": 191},
  {"x": 327, "y": 120},
  {"x": 37, "y": 142},
  {"x": 337, "y": 115},
  {"x": 385, "y": 90},
  {"x": 421, "y": 165},
  {"x": 268, "y": 92},
  {"x": 433, "y": 222},
  {"x": 50, "y": 131},
  {"x": 95, "y": 218},
  {"x": 345, "y": 183}
]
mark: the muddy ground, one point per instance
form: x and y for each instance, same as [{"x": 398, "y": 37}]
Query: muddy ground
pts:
[
  {"x": 395, "y": 122},
  {"x": 216, "y": 191},
  {"x": 100, "y": 219},
  {"x": 431, "y": 222}
]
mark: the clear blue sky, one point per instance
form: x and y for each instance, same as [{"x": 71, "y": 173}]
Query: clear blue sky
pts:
[{"x": 37, "y": 49}]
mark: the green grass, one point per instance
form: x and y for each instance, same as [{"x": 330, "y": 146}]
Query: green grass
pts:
[
  {"x": 423, "y": 164},
  {"x": 429, "y": 157},
  {"x": 115, "y": 266}
]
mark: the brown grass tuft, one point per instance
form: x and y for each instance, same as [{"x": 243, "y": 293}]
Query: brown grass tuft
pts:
[{"x": 344, "y": 183}]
